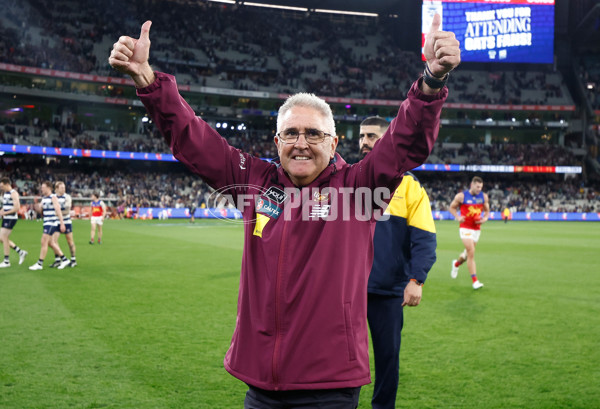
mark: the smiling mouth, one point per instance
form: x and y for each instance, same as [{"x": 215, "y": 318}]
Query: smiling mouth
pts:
[{"x": 301, "y": 158}]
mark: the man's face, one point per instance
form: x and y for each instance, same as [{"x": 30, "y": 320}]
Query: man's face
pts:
[
  {"x": 46, "y": 190},
  {"x": 369, "y": 134},
  {"x": 302, "y": 161},
  {"x": 476, "y": 188},
  {"x": 60, "y": 189},
  {"x": 5, "y": 187}
]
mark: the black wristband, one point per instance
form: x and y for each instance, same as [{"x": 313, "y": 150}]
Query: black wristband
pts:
[{"x": 433, "y": 82}]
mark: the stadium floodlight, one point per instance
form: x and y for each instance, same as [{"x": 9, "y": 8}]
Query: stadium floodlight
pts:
[
  {"x": 352, "y": 13},
  {"x": 223, "y": 1},
  {"x": 274, "y": 6}
]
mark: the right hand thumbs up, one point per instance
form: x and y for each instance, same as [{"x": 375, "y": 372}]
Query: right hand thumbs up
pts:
[{"x": 130, "y": 56}]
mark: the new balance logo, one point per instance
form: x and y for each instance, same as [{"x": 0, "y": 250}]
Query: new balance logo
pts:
[{"x": 320, "y": 210}]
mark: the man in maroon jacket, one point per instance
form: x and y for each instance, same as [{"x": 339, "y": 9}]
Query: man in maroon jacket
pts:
[{"x": 301, "y": 330}]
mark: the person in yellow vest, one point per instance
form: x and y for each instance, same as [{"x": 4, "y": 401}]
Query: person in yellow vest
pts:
[
  {"x": 506, "y": 216},
  {"x": 404, "y": 252}
]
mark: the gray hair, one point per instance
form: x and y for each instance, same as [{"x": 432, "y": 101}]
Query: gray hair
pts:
[{"x": 304, "y": 99}]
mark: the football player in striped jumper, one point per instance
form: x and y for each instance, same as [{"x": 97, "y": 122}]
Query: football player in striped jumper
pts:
[
  {"x": 9, "y": 213},
  {"x": 64, "y": 199},
  {"x": 53, "y": 221}
]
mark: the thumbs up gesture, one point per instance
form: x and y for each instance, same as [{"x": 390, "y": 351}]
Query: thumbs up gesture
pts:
[
  {"x": 441, "y": 49},
  {"x": 130, "y": 56}
]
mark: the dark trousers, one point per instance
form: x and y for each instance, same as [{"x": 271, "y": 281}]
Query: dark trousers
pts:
[
  {"x": 345, "y": 398},
  {"x": 386, "y": 318}
]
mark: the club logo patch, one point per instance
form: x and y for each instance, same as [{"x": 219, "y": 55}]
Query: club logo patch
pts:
[{"x": 319, "y": 197}]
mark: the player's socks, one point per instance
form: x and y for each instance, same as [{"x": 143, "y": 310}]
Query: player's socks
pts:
[
  {"x": 6, "y": 259},
  {"x": 474, "y": 277},
  {"x": 17, "y": 249},
  {"x": 56, "y": 262}
]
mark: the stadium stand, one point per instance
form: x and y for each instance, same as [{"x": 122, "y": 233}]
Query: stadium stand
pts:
[
  {"x": 508, "y": 115},
  {"x": 120, "y": 183},
  {"x": 221, "y": 47},
  {"x": 133, "y": 184},
  {"x": 520, "y": 194}
]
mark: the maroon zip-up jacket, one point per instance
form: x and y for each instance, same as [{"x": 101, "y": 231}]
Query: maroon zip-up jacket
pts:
[{"x": 302, "y": 304}]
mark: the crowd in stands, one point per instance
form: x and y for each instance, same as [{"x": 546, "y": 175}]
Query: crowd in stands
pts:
[
  {"x": 260, "y": 143},
  {"x": 506, "y": 87},
  {"x": 217, "y": 41},
  {"x": 248, "y": 48},
  {"x": 520, "y": 193},
  {"x": 73, "y": 135},
  {"x": 590, "y": 76},
  {"x": 121, "y": 184},
  {"x": 127, "y": 184},
  {"x": 504, "y": 154}
]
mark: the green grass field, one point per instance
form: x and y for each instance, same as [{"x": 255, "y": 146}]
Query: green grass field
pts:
[{"x": 145, "y": 319}]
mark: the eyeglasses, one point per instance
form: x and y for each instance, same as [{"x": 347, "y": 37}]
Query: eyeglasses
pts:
[{"x": 312, "y": 136}]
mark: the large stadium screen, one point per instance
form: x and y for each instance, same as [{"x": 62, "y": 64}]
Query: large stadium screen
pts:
[{"x": 513, "y": 31}]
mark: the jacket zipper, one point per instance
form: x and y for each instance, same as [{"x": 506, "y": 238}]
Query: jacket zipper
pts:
[{"x": 278, "y": 280}]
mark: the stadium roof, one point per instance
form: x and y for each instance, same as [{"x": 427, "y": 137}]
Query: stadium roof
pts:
[
  {"x": 587, "y": 31},
  {"x": 366, "y": 6}
]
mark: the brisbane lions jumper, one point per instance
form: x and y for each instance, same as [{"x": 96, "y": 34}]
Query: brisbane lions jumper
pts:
[{"x": 471, "y": 208}]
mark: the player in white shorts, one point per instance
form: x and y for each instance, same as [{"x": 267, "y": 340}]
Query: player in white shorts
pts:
[
  {"x": 97, "y": 219},
  {"x": 474, "y": 211}
]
